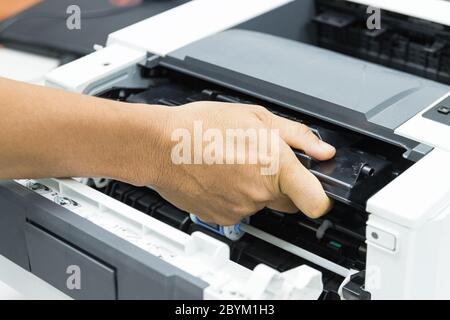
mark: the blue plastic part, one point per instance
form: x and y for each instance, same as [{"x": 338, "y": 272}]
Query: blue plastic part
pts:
[{"x": 233, "y": 232}]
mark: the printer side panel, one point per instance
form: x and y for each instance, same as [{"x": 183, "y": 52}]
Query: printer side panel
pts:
[
  {"x": 408, "y": 233},
  {"x": 417, "y": 269}
]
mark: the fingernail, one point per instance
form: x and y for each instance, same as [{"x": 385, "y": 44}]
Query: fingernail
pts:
[{"x": 326, "y": 147}]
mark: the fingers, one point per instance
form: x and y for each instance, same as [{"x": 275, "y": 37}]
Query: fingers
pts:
[
  {"x": 299, "y": 136},
  {"x": 283, "y": 205},
  {"x": 302, "y": 187}
]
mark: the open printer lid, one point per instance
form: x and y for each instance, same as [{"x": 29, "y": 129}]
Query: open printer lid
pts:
[{"x": 355, "y": 94}]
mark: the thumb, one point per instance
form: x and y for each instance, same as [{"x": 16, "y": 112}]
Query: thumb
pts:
[
  {"x": 302, "y": 187},
  {"x": 301, "y": 137}
]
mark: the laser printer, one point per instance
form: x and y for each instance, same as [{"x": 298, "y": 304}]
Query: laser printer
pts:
[{"x": 381, "y": 97}]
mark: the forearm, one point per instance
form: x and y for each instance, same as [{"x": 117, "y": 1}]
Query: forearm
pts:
[{"x": 51, "y": 133}]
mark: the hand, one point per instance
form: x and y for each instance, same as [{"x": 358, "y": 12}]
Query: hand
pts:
[{"x": 226, "y": 193}]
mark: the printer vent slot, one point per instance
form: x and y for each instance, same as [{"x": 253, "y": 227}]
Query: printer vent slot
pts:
[{"x": 408, "y": 44}]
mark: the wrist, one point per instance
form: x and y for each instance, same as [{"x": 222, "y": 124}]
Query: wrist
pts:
[{"x": 138, "y": 144}]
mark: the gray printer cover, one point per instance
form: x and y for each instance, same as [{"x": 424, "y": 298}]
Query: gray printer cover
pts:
[
  {"x": 46, "y": 239},
  {"x": 352, "y": 93}
]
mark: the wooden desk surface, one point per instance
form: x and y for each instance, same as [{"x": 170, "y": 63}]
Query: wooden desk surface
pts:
[{"x": 11, "y": 7}]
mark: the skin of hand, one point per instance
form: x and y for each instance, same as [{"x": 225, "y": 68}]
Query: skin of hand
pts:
[
  {"x": 225, "y": 194},
  {"x": 52, "y": 133}
]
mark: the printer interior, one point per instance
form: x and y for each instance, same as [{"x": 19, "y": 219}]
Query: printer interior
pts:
[{"x": 363, "y": 165}]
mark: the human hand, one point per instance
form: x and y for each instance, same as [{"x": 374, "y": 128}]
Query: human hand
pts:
[{"x": 218, "y": 189}]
